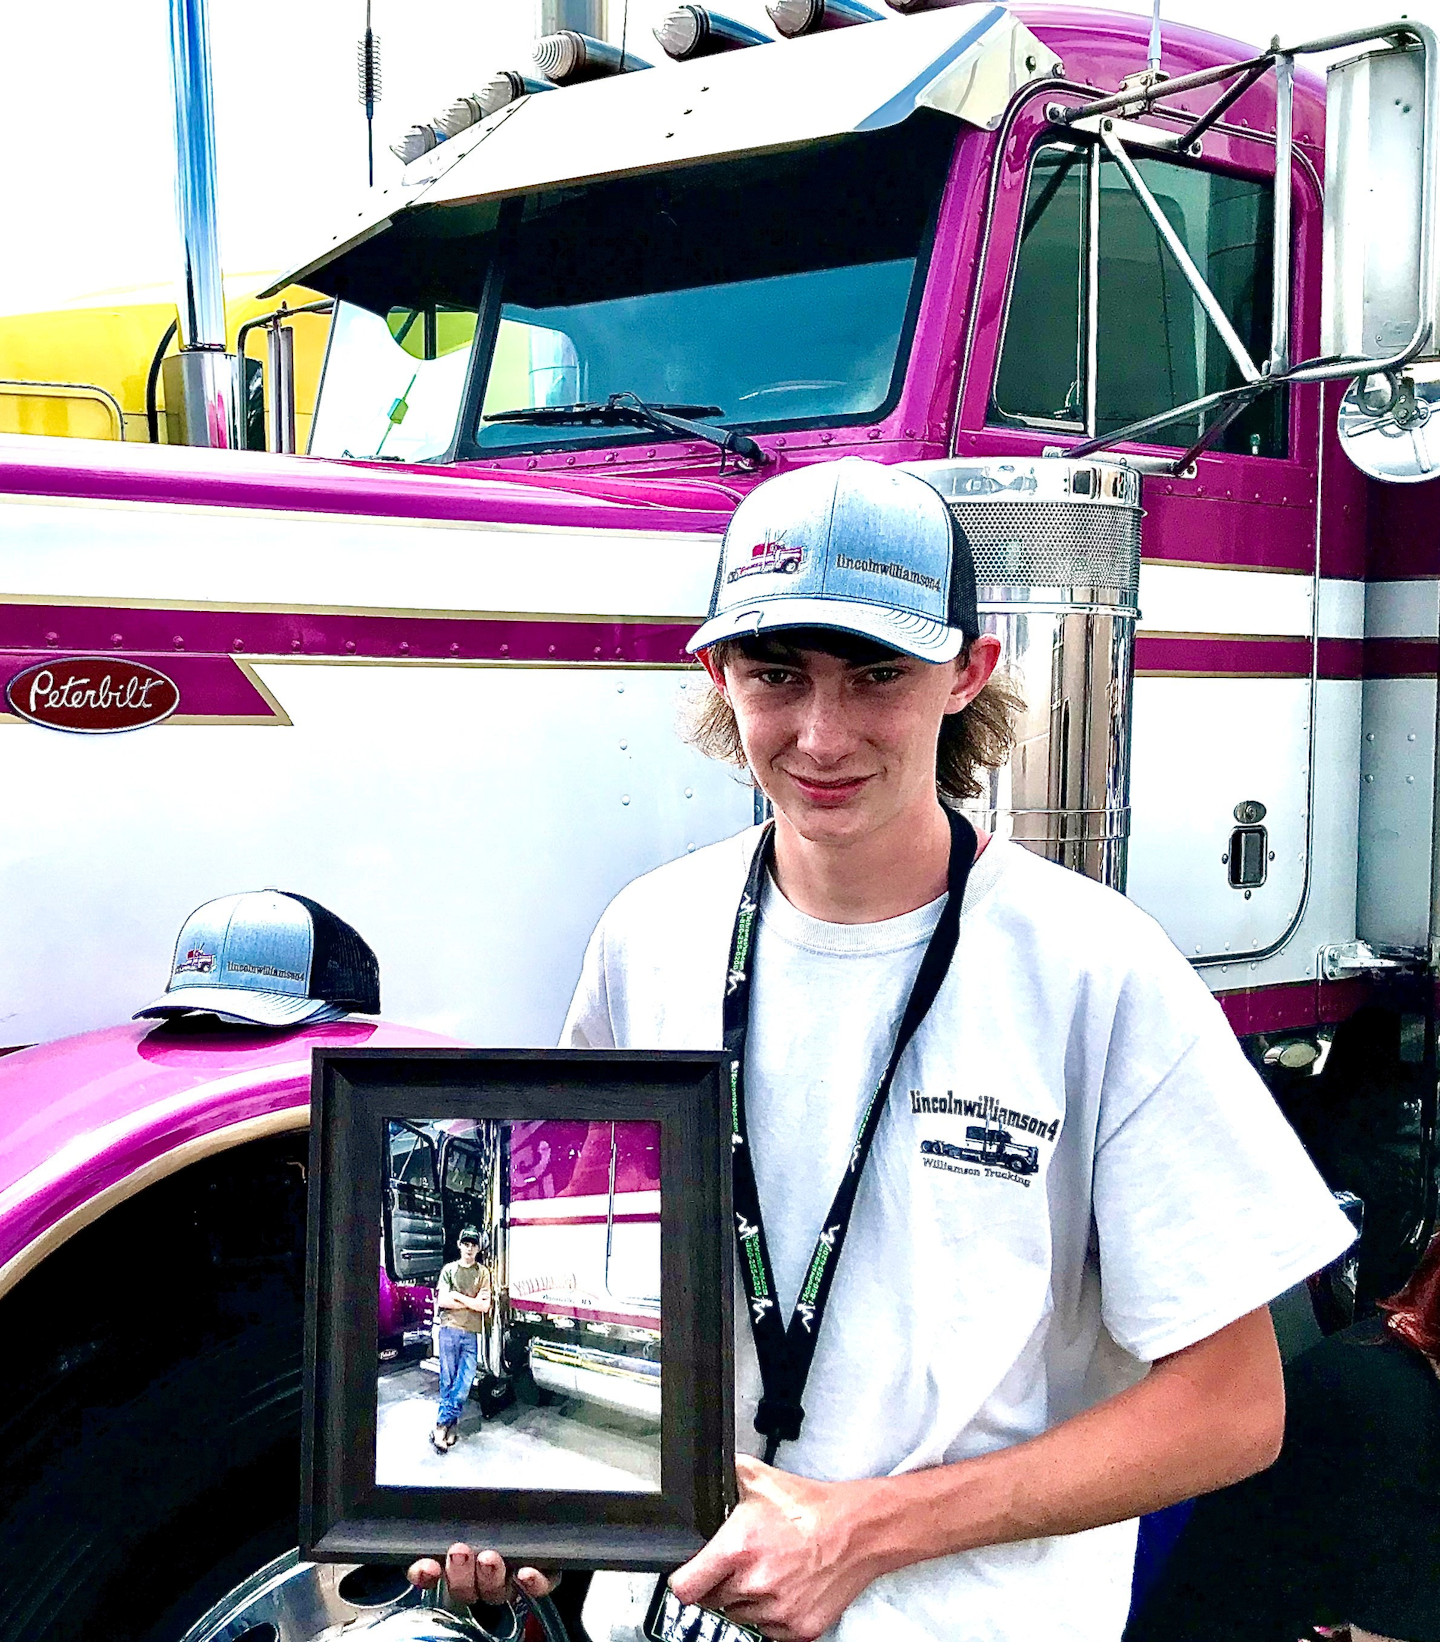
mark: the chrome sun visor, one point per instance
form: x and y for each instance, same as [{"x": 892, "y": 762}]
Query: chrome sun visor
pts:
[{"x": 966, "y": 60}]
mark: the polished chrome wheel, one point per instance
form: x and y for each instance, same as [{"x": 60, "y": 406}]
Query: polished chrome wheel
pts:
[{"x": 293, "y": 1601}]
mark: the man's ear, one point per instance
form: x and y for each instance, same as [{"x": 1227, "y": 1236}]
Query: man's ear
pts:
[
  {"x": 972, "y": 678},
  {"x": 717, "y": 675}
]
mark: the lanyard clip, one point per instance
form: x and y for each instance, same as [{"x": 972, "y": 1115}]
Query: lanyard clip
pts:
[{"x": 779, "y": 1417}]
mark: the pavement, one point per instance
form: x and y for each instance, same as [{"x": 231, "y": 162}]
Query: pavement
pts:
[{"x": 572, "y": 1444}]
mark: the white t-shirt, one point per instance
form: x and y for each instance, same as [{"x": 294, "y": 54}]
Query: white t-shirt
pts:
[{"x": 1077, "y": 1172}]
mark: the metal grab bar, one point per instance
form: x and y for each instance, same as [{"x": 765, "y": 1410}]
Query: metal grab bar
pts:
[
  {"x": 17, "y": 388},
  {"x": 280, "y": 368}
]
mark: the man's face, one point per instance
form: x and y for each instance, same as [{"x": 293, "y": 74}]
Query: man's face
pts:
[
  {"x": 469, "y": 1252},
  {"x": 843, "y": 746}
]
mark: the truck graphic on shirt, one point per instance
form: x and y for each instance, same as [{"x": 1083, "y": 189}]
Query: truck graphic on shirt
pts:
[{"x": 985, "y": 1144}]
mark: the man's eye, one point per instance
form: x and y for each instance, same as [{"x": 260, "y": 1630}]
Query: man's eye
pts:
[
  {"x": 776, "y": 676},
  {"x": 885, "y": 675}
]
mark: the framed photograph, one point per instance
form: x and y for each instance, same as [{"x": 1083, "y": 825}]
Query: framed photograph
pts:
[{"x": 518, "y": 1325}]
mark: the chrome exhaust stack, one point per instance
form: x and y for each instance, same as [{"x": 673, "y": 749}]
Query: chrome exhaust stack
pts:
[
  {"x": 202, "y": 381},
  {"x": 1057, "y": 568}
]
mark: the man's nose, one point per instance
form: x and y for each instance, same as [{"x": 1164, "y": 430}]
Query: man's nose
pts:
[{"x": 824, "y": 734}]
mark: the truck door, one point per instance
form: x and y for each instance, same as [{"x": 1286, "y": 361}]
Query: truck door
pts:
[
  {"x": 1099, "y": 328},
  {"x": 467, "y": 1169},
  {"x": 414, "y": 1233}
]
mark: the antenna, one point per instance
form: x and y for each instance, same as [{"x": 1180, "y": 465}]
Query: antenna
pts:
[
  {"x": 1153, "y": 58},
  {"x": 367, "y": 57}
]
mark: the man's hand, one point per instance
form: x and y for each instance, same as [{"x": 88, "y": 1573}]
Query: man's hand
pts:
[
  {"x": 479, "y": 1578},
  {"x": 795, "y": 1553},
  {"x": 791, "y": 1557}
]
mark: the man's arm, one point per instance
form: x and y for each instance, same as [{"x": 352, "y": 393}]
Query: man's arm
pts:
[
  {"x": 453, "y": 1300},
  {"x": 795, "y": 1553}
]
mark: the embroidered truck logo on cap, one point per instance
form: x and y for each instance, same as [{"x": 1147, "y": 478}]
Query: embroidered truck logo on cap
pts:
[
  {"x": 773, "y": 556},
  {"x": 92, "y": 695},
  {"x": 197, "y": 962}
]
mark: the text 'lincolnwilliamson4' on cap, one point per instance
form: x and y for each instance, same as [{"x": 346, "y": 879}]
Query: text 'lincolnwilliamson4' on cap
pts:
[{"x": 854, "y": 545}]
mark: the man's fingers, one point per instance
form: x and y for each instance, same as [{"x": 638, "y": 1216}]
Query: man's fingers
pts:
[
  {"x": 474, "y": 1578},
  {"x": 704, "y": 1571},
  {"x": 490, "y": 1577},
  {"x": 479, "y": 1577},
  {"x": 425, "y": 1573}
]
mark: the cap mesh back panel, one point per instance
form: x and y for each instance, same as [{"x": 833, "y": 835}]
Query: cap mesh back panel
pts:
[
  {"x": 961, "y": 612},
  {"x": 344, "y": 970}
]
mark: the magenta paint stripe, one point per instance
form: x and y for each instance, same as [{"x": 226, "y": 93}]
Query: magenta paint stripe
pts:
[
  {"x": 56, "y": 629},
  {"x": 1238, "y": 656},
  {"x": 584, "y": 1313},
  {"x": 1296, "y": 1004},
  {"x": 585, "y": 1220},
  {"x": 1233, "y": 656},
  {"x": 209, "y": 686},
  {"x": 1222, "y": 656},
  {"x": 1402, "y": 658},
  {"x": 1342, "y": 658},
  {"x": 100, "y": 471},
  {"x": 1404, "y": 536}
]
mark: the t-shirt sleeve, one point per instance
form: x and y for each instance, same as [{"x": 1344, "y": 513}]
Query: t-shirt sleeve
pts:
[
  {"x": 588, "y": 1024},
  {"x": 1206, "y": 1205},
  {"x": 445, "y": 1283}
]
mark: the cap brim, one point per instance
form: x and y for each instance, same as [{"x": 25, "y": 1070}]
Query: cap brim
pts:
[
  {"x": 242, "y": 1007},
  {"x": 916, "y": 636}
]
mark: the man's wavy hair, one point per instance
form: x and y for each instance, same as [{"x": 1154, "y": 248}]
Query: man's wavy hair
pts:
[{"x": 978, "y": 738}]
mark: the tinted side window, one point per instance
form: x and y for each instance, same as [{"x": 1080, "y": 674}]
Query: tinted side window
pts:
[
  {"x": 1156, "y": 347},
  {"x": 412, "y": 1158},
  {"x": 1041, "y": 375}
]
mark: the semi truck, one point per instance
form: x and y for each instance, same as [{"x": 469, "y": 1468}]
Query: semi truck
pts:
[
  {"x": 570, "y": 1217},
  {"x": 1156, "y": 312},
  {"x": 995, "y": 1147}
]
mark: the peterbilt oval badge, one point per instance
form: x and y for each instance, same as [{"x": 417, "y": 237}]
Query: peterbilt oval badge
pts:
[{"x": 92, "y": 695}]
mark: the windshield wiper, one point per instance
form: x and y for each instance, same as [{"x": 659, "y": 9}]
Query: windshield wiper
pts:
[{"x": 622, "y": 409}]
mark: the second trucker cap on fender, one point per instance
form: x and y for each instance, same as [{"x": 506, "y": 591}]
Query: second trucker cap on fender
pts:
[
  {"x": 269, "y": 958},
  {"x": 854, "y": 545}
]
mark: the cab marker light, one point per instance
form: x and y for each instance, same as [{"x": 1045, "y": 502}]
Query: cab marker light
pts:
[
  {"x": 796, "y": 17},
  {"x": 567, "y": 58},
  {"x": 695, "y": 31},
  {"x": 497, "y": 92},
  {"x": 418, "y": 140}
]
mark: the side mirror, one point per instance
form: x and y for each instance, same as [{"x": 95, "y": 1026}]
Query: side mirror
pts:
[{"x": 1381, "y": 281}]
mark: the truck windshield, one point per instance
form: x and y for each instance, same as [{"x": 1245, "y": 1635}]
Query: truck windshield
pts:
[{"x": 781, "y": 288}]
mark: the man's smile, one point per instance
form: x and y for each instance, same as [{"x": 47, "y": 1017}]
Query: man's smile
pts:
[{"x": 827, "y": 791}]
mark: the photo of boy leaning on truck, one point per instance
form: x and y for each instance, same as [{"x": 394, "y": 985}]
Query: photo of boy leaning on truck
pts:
[{"x": 463, "y": 1297}]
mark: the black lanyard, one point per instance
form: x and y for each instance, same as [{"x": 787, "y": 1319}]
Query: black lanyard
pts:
[{"x": 785, "y": 1354}]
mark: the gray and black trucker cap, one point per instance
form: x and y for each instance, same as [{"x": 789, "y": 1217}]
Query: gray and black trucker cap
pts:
[
  {"x": 854, "y": 545},
  {"x": 269, "y": 958}
]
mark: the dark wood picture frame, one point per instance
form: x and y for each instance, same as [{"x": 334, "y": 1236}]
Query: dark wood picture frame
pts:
[{"x": 344, "y": 1514}]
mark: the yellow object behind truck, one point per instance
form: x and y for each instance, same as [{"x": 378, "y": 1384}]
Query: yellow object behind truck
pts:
[{"x": 79, "y": 371}]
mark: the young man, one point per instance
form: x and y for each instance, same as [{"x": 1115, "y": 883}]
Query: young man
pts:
[
  {"x": 1042, "y": 1313},
  {"x": 462, "y": 1300}
]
